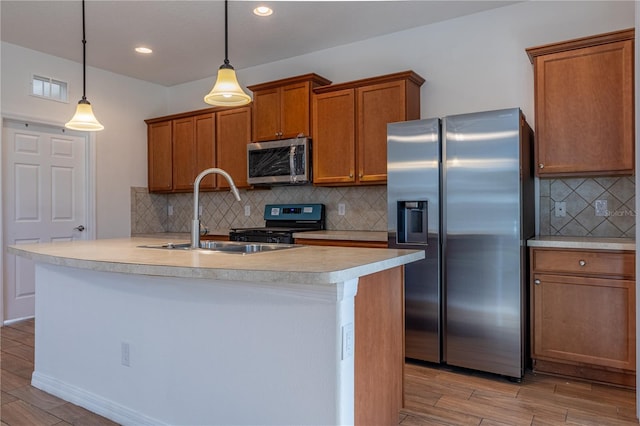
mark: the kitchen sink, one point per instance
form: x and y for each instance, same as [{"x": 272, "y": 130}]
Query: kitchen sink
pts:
[{"x": 223, "y": 246}]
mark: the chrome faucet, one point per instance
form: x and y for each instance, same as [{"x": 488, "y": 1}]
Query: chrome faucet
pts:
[{"x": 195, "y": 224}]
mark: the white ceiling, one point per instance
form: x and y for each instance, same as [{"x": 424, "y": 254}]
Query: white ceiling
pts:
[{"x": 187, "y": 37}]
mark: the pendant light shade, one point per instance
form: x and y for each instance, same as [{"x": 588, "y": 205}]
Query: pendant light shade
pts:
[
  {"x": 84, "y": 119},
  {"x": 227, "y": 91}
]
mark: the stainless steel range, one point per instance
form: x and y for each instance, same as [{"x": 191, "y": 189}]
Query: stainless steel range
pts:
[{"x": 282, "y": 221}]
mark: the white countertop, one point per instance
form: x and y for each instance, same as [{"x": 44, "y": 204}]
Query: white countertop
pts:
[
  {"x": 595, "y": 243},
  {"x": 302, "y": 264}
]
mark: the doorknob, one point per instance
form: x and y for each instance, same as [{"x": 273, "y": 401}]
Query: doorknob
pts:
[{"x": 79, "y": 228}]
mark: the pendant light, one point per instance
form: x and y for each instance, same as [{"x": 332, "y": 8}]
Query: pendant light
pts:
[
  {"x": 84, "y": 119},
  {"x": 227, "y": 91}
]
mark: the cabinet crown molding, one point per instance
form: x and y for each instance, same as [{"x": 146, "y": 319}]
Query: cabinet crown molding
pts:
[
  {"x": 404, "y": 75},
  {"x": 577, "y": 43},
  {"x": 312, "y": 77}
]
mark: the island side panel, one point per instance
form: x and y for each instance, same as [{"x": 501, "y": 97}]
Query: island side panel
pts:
[
  {"x": 379, "y": 357},
  {"x": 200, "y": 351}
]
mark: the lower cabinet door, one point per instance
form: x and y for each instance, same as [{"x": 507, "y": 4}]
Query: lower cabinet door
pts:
[{"x": 584, "y": 320}]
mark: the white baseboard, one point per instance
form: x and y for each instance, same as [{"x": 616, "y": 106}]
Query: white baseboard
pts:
[
  {"x": 15, "y": 320},
  {"x": 92, "y": 402}
]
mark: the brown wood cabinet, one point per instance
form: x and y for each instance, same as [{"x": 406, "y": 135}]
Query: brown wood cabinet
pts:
[
  {"x": 583, "y": 314},
  {"x": 379, "y": 342},
  {"x": 350, "y": 126},
  {"x": 193, "y": 145},
  {"x": 159, "y": 152},
  {"x": 233, "y": 132},
  {"x": 205, "y": 142},
  {"x": 282, "y": 108},
  {"x": 584, "y": 106},
  {"x": 182, "y": 145}
]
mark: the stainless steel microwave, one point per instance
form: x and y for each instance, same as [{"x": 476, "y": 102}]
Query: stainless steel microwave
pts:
[{"x": 286, "y": 161}]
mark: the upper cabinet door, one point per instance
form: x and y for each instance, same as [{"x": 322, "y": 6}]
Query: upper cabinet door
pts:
[
  {"x": 205, "y": 148},
  {"x": 159, "y": 156},
  {"x": 295, "y": 110},
  {"x": 334, "y": 144},
  {"x": 266, "y": 114},
  {"x": 184, "y": 154},
  {"x": 584, "y": 106},
  {"x": 378, "y": 105},
  {"x": 233, "y": 133}
]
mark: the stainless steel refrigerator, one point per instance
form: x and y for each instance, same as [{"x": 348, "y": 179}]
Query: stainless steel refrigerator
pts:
[{"x": 461, "y": 188}]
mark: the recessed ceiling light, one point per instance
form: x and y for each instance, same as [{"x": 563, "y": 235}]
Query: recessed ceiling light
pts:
[
  {"x": 142, "y": 49},
  {"x": 262, "y": 11}
]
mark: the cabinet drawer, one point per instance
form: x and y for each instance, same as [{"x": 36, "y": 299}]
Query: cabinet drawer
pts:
[{"x": 584, "y": 262}]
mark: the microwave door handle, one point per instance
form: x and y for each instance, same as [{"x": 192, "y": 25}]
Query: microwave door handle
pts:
[{"x": 292, "y": 163}]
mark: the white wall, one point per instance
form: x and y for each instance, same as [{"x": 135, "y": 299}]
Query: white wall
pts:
[
  {"x": 120, "y": 104},
  {"x": 471, "y": 63}
]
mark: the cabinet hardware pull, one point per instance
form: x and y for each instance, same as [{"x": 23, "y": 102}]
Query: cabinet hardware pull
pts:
[
  {"x": 350, "y": 174},
  {"x": 541, "y": 166},
  {"x": 582, "y": 262},
  {"x": 536, "y": 282}
]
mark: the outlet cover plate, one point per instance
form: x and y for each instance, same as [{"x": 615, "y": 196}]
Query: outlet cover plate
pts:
[
  {"x": 561, "y": 208},
  {"x": 601, "y": 207}
]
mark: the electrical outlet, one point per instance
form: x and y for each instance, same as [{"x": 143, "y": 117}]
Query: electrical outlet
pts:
[
  {"x": 601, "y": 208},
  {"x": 170, "y": 210},
  {"x": 247, "y": 210},
  {"x": 347, "y": 341},
  {"x": 341, "y": 209},
  {"x": 124, "y": 354},
  {"x": 561, "y": 208}
]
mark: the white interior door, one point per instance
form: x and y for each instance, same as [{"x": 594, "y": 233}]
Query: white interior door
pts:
[{"x": 44, "y": 189}]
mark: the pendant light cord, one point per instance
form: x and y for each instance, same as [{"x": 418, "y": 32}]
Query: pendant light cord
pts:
[
  {"x": 226, "y": 33},
  {"x": 84, "y": 58}
]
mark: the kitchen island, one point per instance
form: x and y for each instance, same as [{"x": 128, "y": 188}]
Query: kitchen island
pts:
[{"x": 152, "y": 336}]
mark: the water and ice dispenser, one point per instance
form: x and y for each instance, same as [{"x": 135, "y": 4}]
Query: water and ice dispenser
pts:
[{"x": 412, "y": 222}]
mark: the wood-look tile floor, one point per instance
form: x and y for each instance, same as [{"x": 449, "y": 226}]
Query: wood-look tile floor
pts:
[
  {"x": 433, "y": 396},
  {"x": 442, "y": 396}
]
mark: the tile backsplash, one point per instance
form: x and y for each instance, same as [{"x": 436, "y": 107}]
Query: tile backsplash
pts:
[
  {"x": 365, "y": 208},
  {"x": 598, "y": 207}
]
